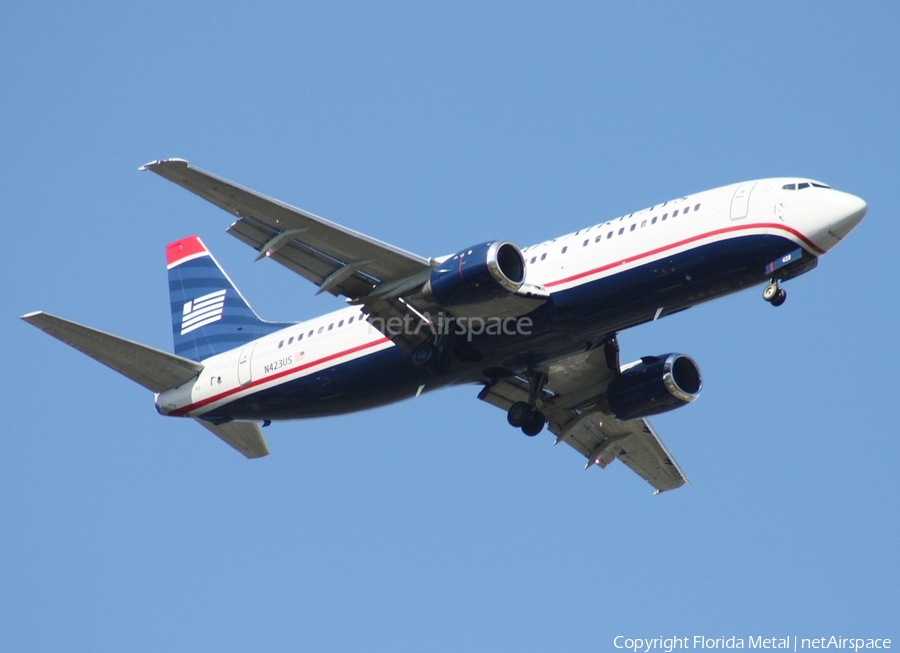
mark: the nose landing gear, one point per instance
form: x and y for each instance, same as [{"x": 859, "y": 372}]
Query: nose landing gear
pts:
[{"x": 774, "y": 294}]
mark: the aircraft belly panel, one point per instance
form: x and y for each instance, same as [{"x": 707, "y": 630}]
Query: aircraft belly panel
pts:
[{"x": 376, "y": 379}]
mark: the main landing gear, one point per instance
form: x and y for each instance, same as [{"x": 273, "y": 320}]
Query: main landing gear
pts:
[
  {"x": 436, "y": 360},
  {"x": 527, "y": 417},
  {"x": 525, "y": 414},
  {"x": 774, "y": 294}
]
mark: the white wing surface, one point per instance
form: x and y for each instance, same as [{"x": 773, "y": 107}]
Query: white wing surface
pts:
[
  {"x": 572, "y": 402},
  {"x": 154, "y": 369},
  {"x": 244, "y": 437},
  {"x": 337, "y": 259}
]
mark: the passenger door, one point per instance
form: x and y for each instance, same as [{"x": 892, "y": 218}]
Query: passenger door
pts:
[
  {"x": 244, "y": 375},
  {"x": 740, "y": 203}
]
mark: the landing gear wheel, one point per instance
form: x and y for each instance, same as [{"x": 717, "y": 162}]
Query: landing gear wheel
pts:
[
  {"x": 774, "y": 294},
  {"x": 424, "y": 354},
  {"x": 519, "y": 414},
  {"x": 441, "y": 363},
  {"x": 432, "y": 358},
  {"x": 534, "y": 425},
  {"x": 771, "y": 292}
]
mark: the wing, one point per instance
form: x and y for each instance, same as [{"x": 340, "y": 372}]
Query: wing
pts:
[
  {"x": 572, "y": 401},
  {"x": 378, "y": 276},
  {"x": 384, "y": 280},
  {"x": 338, "y": 260}
]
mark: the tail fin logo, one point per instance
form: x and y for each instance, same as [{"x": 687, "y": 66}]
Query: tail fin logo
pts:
[{"x": 202, "y": 311}]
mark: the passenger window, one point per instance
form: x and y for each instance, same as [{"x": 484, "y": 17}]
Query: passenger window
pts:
[
  {"x": 281, "y": 344},
  {"x": 564, "y": 249},
  {"x": 653, "y": 221},
  {"x": 598, "y": 238},
  {"x": 533, "y": 259},
  {"x": 665, "y": 215},
  {"x": 621, "y": 231},
  {"x": 632, "y": 227},
  {"x": 331, "y": 326},
  {"x": 543, "y": 256},
  {"x": 300, "y": 337},
  {"x": 643, "y": 224},
  {"x": 686, "y": 209},
  {"x": 340, "y": 324},
  {"x": 675, "y": 213},
  {"x": 321, "y": 329},
  {"x": 609, "y": 235},
  {"x": 696, "y": 207},
  {"x": 586, "y": 242},
  {"x": 291, "y": 340}
]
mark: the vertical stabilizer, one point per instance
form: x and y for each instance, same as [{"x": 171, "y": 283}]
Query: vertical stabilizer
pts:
[{"x": 209, "y": 315}]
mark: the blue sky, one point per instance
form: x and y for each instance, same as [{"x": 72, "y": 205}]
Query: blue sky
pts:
[{"x": 431, "y": 525}]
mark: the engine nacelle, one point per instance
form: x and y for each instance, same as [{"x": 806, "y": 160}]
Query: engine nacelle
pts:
[
  {"x": 478, "y": 274},
  {"x": 655, "y": 385}
]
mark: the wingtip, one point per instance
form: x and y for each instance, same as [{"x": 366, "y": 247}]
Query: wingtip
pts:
[
  {"x": 181, "y": 163},
  {"x": 28, "y": 317}
]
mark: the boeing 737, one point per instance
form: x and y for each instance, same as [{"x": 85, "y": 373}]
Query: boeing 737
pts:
[{"x": 536, "y": 328}]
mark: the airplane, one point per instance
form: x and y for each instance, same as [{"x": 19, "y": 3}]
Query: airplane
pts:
[{"x": 535, "y": 327}]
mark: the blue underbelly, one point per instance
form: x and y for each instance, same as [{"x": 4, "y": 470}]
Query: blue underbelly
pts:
[{"x": 572, "y": 320}]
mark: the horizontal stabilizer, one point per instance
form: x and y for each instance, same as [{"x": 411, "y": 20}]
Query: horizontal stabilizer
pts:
[
  {"x": 154, "y": 369},
  {"x": 245, "y": 437}
]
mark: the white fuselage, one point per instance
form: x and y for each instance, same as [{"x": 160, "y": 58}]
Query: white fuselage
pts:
[{"x": 813, "y": 218}]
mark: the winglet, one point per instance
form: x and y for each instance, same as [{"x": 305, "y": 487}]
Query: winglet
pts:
[{"x": 179, "y": 163}]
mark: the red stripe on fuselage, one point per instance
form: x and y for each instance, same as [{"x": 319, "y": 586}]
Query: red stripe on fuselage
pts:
[
  {"x": 299, "y": 368},
  {"x": 181, "y": 412},
  {"x": 687, "y": 241}
]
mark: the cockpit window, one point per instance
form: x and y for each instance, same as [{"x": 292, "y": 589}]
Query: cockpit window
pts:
[{"x": 805, "y": 184}]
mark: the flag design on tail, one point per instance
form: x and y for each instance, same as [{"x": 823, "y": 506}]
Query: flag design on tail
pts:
[
  {"x": 202, "y": 311},
  {"x": 209, "y": 314}
]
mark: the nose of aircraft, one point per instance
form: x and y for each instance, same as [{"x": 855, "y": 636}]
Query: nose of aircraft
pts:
[
  {"x": 846, "y": 212},
  {"x": 826, "y": 216}
]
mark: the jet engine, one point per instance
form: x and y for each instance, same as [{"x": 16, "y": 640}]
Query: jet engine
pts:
[
  {"x": 656, "y": 384},
  {"x": 481, "y": 273}
]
